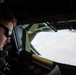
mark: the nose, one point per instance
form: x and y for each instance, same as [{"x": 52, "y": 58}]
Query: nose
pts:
[{"x": 8, "y": 40}]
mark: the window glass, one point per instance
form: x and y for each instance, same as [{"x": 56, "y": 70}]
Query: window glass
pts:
[{"x": 58, "y": 46}]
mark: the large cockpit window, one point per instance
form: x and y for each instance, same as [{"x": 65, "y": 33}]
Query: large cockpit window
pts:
[
  {"x": 58, "y": 46},
  {"x": 48, "y": 41}
]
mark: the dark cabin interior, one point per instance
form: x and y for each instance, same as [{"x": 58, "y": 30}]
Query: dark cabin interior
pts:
[
  {"x": 62, "y": 13},
  {"x": 41, "y": 11},
  {"x": 51, "y": 10}
]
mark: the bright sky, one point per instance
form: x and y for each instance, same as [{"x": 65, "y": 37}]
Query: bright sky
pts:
[{"x": 57, "y": 46}]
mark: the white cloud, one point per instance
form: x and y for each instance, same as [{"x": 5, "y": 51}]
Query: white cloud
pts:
[{"x": 57, "y": 46}]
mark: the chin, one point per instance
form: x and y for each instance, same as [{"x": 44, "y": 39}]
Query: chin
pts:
[{"x": 1, "y": 49}]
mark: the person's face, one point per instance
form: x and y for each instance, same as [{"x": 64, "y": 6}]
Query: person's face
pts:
[{"x": 3, "y": 38}]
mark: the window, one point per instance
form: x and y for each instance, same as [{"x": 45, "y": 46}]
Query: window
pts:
[{"x": 58, "y": 46}]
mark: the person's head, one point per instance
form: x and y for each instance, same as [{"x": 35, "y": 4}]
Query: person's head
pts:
[{"x": 7, "y": 22}]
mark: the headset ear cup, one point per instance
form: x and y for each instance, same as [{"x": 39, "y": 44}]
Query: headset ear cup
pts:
[{"x": 55, "y": 71}]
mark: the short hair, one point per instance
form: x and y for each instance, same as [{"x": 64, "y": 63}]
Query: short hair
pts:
[{"x": 5, "y": 13}]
